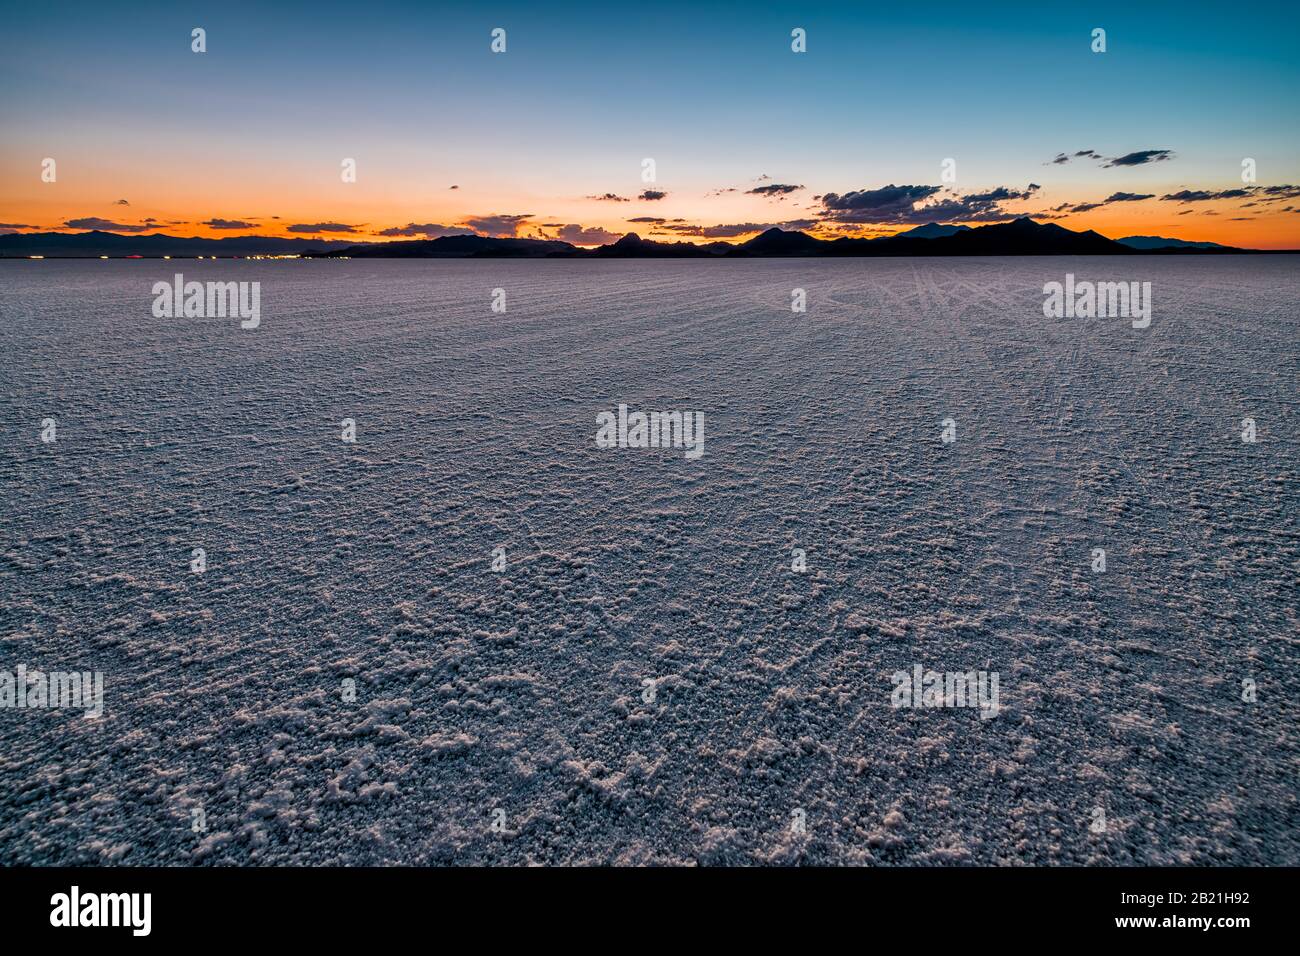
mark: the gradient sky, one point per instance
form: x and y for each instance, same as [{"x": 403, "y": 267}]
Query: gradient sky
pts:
[{"x": 254, "y": 130}]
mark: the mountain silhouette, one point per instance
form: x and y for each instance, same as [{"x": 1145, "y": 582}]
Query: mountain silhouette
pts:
[
  {"x": 468, "y": 246},
  {"x": 633, "y": 246},
  {"x": 931, "y": 230},
  {"x": 1020, "y": 237},
  {"x": 1159, "y": 242},
  {"x": 155, "y": 245}
]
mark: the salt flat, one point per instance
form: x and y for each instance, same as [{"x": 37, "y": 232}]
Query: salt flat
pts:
[{"x": 648, "y": 680}]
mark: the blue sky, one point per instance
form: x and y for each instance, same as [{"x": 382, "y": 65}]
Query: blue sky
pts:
[{"x": 584, "y": 91}]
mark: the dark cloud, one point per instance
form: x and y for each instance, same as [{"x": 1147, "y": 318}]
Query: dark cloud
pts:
[
  {"x": 1062, "y": 158},
  {"x": 227, "y": 224},
  {"x": 1257, "y": 194},
  {"x": 723, "y": 231},
  {"x": 500, "y": 226},
  {"x": 310, "y": 227},
  {"x": 1203, "y": 195},
  {"x": 453, "y": 187},
  {"x": 15, "y": 225},
  {"x": 429, "y": 230},
  {"x": 651, "y": 194},
  {"x": 773, "y": 189},
  {"x": 654, "y": 219},
  {"x": 1113, "y": 197},
  {"x": 589, "y": 236},
  {"x": 1140, "y": 158},
  {"x": 1277, "y": 193},
  {"x": 610, "y": 197},
  {"x": 106, "y": 225},
  {"x": 898, "y": 205},
  {"x": 875, "y": 205},
  {"x": 121, "y": 202},
  {"x": 732, "y": 230},
  {"x": 1002, "y": 194}
]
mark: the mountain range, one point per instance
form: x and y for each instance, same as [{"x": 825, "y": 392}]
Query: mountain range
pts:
[{"x": 1020, "y": 237}]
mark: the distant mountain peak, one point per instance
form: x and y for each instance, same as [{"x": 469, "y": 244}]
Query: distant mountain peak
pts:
[
  {"x": 1160, "y": 242},
  {"x": 931, "y": 230}
]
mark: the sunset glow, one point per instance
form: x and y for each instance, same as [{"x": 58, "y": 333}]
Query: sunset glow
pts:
[{"x": 248, "y": 138}]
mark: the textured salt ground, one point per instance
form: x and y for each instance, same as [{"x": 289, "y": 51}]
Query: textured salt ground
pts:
[{"x": 522, "y": 690}]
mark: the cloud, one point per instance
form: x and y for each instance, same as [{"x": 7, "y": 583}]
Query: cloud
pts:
[
  {"x": 1203, "y": 195},
  {"x": 1061, "y": 158},
  {"x": 227, "y": 224},
  {"x": 429, "y": 230},
  {"x": 652, "y": 194},
  {"x": 609, "y": 197},
  {"x": 732, "y": 230},
  {"x": 1258, "y": 194},
  {"x": 875, "y": 205},
  {"x": 106, "y": 225},
  {"x": 500, "y": 226},
  {"x": 15, "y": 225},
  {"x": 775, "y": 189},
  {"x": 1002, "y": 194},
  {"x": 722, "y": 231},
  {"x": 1140, "y": 158},
  {"x": 899, "y": 205},
  {"x": 657, "y": 220},
  {"x": 1113, "y": 197},
  {"x": 121, "y": 202},
  {"x": 311, "y": 227},
  {"x": 590, "y": 236},
  {"x": 453, "y": 187}
]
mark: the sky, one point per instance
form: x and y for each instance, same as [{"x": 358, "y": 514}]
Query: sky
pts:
[{"x": 549, "y": 137}]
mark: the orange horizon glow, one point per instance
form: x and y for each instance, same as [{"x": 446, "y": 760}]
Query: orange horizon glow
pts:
[{"x": 367, "y": 213}]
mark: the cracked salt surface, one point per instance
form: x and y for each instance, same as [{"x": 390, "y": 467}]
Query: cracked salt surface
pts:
[{"x": 526, "y": 692}]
